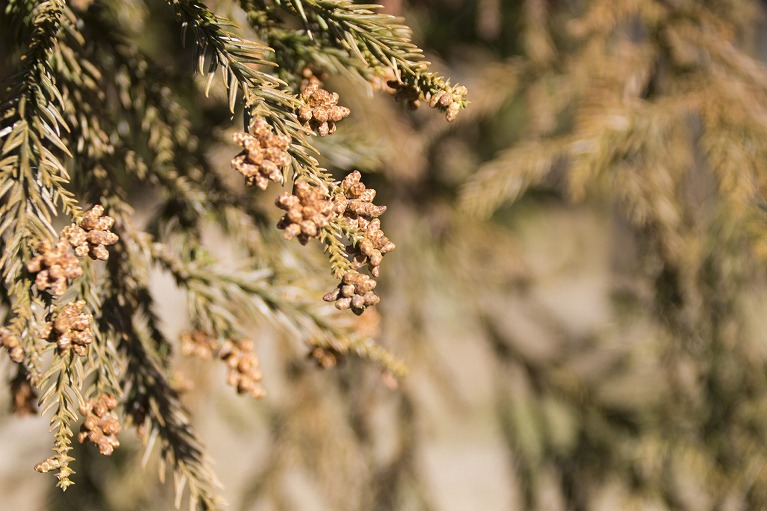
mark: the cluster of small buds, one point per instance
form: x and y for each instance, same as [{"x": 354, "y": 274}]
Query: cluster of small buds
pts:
[
  {"x": 244, "y": 373},
  {"x": 198, "y": 344},
  {"x": 307, "y": 212},
  {"x": 449, "y": 101},
  {"x": 71, "y": 329},
  {"x": 355, "y": 292},
  {"x": 359, "y": 205},
  {"x": 24, "y": 396},
  {"x": 362, "y": 214},
  {"x": 101, "y": 425},
  {"x": 321, "y": 109},
  {"x": 372, "y": 248},
  {"x": 92, "y": 235},
  {"x": 326, "y": 358},
  {"x": 11, "y": 343},
  {"x": 47, "y": 465},
  {"x": 55, "y": 267},
  {"x": 264, "y": 155}
]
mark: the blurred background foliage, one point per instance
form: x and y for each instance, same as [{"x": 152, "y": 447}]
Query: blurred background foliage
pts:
[{"x": 578, "y": 287}]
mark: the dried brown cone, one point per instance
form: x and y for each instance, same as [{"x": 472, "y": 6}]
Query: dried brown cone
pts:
[
  {"x": 307, "y": 212},
  {"x": 198, "y": 344},
  {"x": 24, "y": 396},
  {"x": 55, "y": 266},
  {"x": 244, "y": 373},
  {"x": 92, "y": 235},
  {"x": 355, "y": 292},
  {"x": 264, "y": 155},
  {"x": 11, "y": 343},
  {"x": 71, "y": 329},
  {"x": 101, "y": 425},
  {"x": 321, "y": 109}
]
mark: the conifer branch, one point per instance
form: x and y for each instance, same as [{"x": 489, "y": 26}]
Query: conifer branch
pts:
[
  {"x": 63, "y": 377},
  {"x": 262, "y": 93},
  {"x": 238, "y": 59},
  {"x": 157, "y": 412},
  {"x": 218, "y": 298},
  {"x": 331, "y": 237},
  {"x": 506, "y": 177},
  {"x": 372, "y": 43},
  {"x": 103, "y": 361},
  {"x": 32, "y": 177},
  {"x": 64, "y": 138},
  {"x": 151, "y": 401}
]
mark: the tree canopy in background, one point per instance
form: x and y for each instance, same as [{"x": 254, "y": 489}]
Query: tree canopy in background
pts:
[{"x": 578, "y": 275}]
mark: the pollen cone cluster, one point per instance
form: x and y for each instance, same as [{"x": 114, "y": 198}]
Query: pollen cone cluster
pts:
[
  {"x": 55, "y": 266},
  {"x": 47, "y": 465},
  {"x": 101, "y": 425},
  {"x": 448, "y": 101},
  {"x": 372, "y": 248},
  {"x": 92, "y": 235},
  {"x": 355, "y": 292},
  {"x": 198, "y": 344},
  {"x": 359, "y": 207},
  {"x": 71, "y": 329},
  {"x": 11, "y": 343},
  {"x": 321, "y": 109},
  {"x": 362, "y": 215},
  {"x": 307, "y": 212},
  {"x": 264, "y": 155},
  {"x": 244, "y": 373}
]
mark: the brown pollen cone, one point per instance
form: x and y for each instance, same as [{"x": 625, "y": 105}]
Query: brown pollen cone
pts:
[
  {"x": 197, "y": 344},
  {"x": 321, "y": 109},
  {"x": 11, "y": 343},
  {"x": 244, "y": 372},
  {"x": 306, "y": 212},
  {"x": 55, "y": 267},
  {"x": 363, "y": 215},
  {"x": 71, "y": 329},
  {"x": 101, "y": 425},
  {"x": 355, "y": 292},
  {"x": 92, "y": 235},
  {"x": 264, "y": 155}
]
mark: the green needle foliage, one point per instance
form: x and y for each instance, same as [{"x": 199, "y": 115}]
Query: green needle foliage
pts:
[{"x": 90, "y": 120}]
